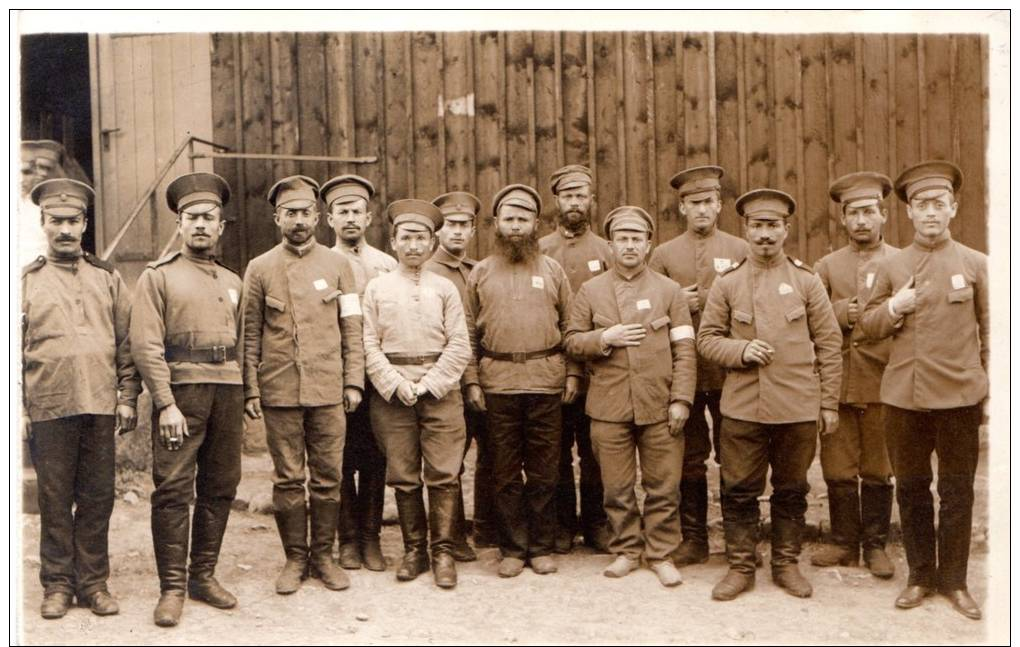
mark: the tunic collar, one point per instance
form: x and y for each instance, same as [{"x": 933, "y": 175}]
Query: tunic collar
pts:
[
  {"x": 775, "y": 261},
  {"x": 300, "y": 251},
  {"x": 940, "y": 242},
  {"x": 444, "y": 257},
  {"x": 629, "y": 275}
]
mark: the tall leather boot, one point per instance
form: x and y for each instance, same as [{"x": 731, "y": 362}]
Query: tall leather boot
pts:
[
  {"x": 170, "y": 544},
  {"x": 876, "y": 509},
  {"x": 347, "y": 524},
  {"x": 740, "y": 552},
  {"x": 693, "y": 522},
  {"x": 461, "y": 550},
  {"x": 370, "y": 510},
  {"x": 414, "y": 528},
  {"x": 786, "y": 538},
  {"x": 293, "y": 527},
  {"x": 208, "y": 526},
  {"x": 444, "y": 528},
  {"x": 324, "y": 516},
  {"x": 845, "y": 521}
]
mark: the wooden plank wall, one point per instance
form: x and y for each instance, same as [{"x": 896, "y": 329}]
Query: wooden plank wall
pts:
[{"x": 475, "y": 111}]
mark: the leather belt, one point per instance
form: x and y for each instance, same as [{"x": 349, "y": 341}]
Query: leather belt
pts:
[
  {"x": 412, "y": 360},
  {"x": 521, "y": 357},
  {"x": 211, "y": 355}
]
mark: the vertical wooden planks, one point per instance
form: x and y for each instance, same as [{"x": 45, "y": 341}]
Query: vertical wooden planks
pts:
[
  {"x": 399, "y": 137},
  {"x": 639, "y": 132},
  {"x": 667, "y": 136},
  {"x": 969, "y": 101},
  {"x": 727, "y": 126},
  {"x": 816, "y": 212},
  {"x": 520, "y": 167},
  {"x": 607, "y": 106},
  {"x": 843, "y": 106},
  {"x": 877, "y": 106},
  {"x": 120, "y": 183},
  {"x": 547, "y": 156},
  {"x": 146, "y": 228},
  {"x": 339, "y": 101},
  {"x": 908, "y": 125},
  {"x": 937, "y": 96},
  {"x": 759, "y": 111},
  {"x": 458, "y": 112},
  {"x": 283, "y": 57},
  {"x": 575, "y": 99},
  {"x": 488, "y": 134},
  {"x": 697, "y": 93},
  {"x": 312, "y": 120},
  {"x": 223, "y": 66},
  {"x": 427, "y": 74},
  {"x": 367, "y": 96},
  {"x": 787, "y": 110},
  {"x": 256, "y": 116},
  {"x": 168, "y": 106}
]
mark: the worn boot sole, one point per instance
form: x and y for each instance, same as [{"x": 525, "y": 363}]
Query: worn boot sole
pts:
[
  {"x": 286, "y": 587},
  {"x": 723, "y": 595},
  {"x": 802, "y": 589},
  {"x": 168, "y": 610},
  {"x": 336, "y": 582},
  {"x": 410, "y": 570}
]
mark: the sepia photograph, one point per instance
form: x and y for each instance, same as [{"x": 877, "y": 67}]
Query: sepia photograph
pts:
[{"x": 509, "y": 327}]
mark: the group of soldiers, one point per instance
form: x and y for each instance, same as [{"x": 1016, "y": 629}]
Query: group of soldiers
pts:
[{"x": 369, "y": 370}]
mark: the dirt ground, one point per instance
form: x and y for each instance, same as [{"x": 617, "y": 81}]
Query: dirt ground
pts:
[{"x": 576, "y": 605}]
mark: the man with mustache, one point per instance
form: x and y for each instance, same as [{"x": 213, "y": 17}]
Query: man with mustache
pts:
[
  {"x": 769, "y": 322},
  {"x": 186, "y": 341},
  {"x": 694, "y": 259},
  {"x": 634, "y": 328},
  {"x": 931, "y": 299},
  {"x": 451, "y": 261},
  {"x": 79, "y": 385},
  {"x": 304, "y": 367},
  {"x": 347, "y": 200},
  {"x": 517, "y": 308},
  {"x": 582, "y": 255},
  {"x": 416, "y": 349},
  {"x": 859, "y": 518}
]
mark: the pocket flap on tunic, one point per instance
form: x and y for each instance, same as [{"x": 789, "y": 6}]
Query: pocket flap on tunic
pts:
[
  {"x": 742, "y": 317},
  {"x": 275, "y": 303},
  {"x": 659, "y": 323},
  {"x": 796, "y": 313},
  {"x": 603, "y": 322},
  {"x": 961, "y": 295}
]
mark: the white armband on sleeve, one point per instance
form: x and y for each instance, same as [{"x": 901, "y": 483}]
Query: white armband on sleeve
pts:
[
  {"x": 680, "y": 333},
  {"x": 350, "y": 305}
]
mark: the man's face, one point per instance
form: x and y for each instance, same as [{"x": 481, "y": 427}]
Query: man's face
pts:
[
  {"x": 297, "y": 225},
  {"x": 864, "y": 223},
  {"x": 201, "y": 228},
  {"x": 515, "y": 223},
  {"x": 574, "y": 205},
  {"x": 456, "y": 234},
  {"x": 630, "y": 248},
  {"x": 35, "y": 170},
  {"x": 349, "y": 220},
  {"x": 413, "y": 246},
  {"x": 931, "y": 212},
  {"x": 766, "y": 235},
  {"x": 701, "y": 213},
  {"x": 63, "y": 233}
]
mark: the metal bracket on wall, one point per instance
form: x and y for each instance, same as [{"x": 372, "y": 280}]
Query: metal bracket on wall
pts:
[{"x": 297, "y": 158}]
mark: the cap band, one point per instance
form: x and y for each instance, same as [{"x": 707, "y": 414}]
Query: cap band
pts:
[
  {"x": 572, "y": 180},
  {"x": 197, "y": 197},
  {"x": 629, "y": 223},
  {"x": 927, "y": 183},
  {"x": 519, "y": 198},
  {"x": 344, "y": 193}
]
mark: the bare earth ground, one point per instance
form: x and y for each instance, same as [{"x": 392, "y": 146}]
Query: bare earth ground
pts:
[{"x": 576, "y": 605}]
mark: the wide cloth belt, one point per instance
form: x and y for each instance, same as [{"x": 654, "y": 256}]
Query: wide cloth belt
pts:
[
  {"x": 211, "y": 355},
  {"x": 412, "y": 360},
  {"x": 521, "y": 357}
]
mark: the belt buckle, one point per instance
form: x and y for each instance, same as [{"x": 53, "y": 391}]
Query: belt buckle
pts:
[
  {"x": 219, "y": 354},
  {"x": 519, "y": 357}
]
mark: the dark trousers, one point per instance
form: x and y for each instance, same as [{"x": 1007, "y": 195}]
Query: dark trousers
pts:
[
  {"x": 363, "y": 482},
  {"x": 524, "y": 432},
  {"x": 698, "y": 442},
  {"x": 300, "y": 435},
  {"x": 750, "y": 448},
  {"x": 953, "y": 435},
  {"x": 858, "y": 448},
  {"x": 74, "y": 465},
  {"x": 577, "y": 429},
  {"x": 477, "y": 431}
]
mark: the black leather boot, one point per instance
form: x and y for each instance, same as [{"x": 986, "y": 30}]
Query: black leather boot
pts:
[
  {"x": 370, "y": 511},
  {"x": 414, "y": 528},
  {"x": 443, "y": 527},
  {"x": 170, "y": 544},
  {"x": 845, "y": 521},
  {"x": 740, "y": 551},
  {"x": 693, "y": 522},
  {"x": 323, "y": 529},
  {"x": 293, "y": 527},
  {"x": 347, "y": 524},
  {"x": 786, "y": 537},
  {"x": 876, "y": 509},
  {"x": 461, "y": 551},
  {"x": 208, "y": 526}
]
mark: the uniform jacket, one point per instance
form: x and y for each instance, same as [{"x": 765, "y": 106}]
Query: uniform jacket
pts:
[
  {"x": 366, "y": 261},
  {"x": 302, "y": 327},
  {"x": 938, "y": 355},
  {"x": 848, "y": 274},
  {"x": 690, "y": 258},
  {"x": 76, "y": 353},
  {"x": 780, "y": 301},
  {"x": 637, "y": 383},
  {"x": 456, "y": 270},
  {"x": 186, "y": 302},
  {"x": 582, "y": 256},
  {"x": 519, "y": 307}
]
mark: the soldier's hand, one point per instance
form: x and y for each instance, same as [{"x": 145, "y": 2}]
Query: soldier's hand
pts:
[
  {"x": 904, "y": 301},
  {"x": 406, "y": 393},
  {"x": 253, "y": 408},
  {"x": 126, "y": 418},
  {"x": 352, "y": 398},
  {"x": 691, "y": 293},
  {"x": 828, "y": 422},
  {"x": 853, "y": 310},
  {"x": 758, "y": 352},
  {"x": 173, "y": 427},
  {"x": 678, "y": 415},
  {"x": 622, "y": 335},
  {"x": 571, "y": 389},
  {"x": 475, "y": 398}
]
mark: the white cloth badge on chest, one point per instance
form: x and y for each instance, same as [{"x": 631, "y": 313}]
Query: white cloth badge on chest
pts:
[
  {"x": 680, "y": 333},
  {"x": 722, "y": 264},
  {"x": 595, "y": 265},
  {"x": 785, "y": 288},
  {"x": 233, "y": 295},
  {"x": 350, "y": 305},
  {"x": 320, "y": 284},
  {"x": 538, "y": 282},
  {"x": 869, "y": 280},
  {"x": 644, "y": 304},
  {"x": 958, "y": 281}
]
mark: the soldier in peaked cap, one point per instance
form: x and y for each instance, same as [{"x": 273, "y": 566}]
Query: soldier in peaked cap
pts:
[
  {"x": 762, "y": 319},
  {"x": 416, "y": 350},
  {"x": 628, "y": 321},
  {"x": 859, "y": 513},
  {"x": 694, "y": 259},
  {"x": 583, "y": 255},
  {"x": 518, "y": 303},
  {"x": 186, "y": 341},
  {"x": 348, "y": 212},
  {"x": 79, "y": 385},
  {"x": 451, "y": 260},
  {"x": 40, "y": 160},
  {"x": 931, "y": 299},
  {"x": 304, "y": 368}
]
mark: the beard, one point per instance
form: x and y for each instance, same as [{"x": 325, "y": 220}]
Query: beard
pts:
[
  {"x": 574, "y": 221},
  {"x": 517, "y": 250}
]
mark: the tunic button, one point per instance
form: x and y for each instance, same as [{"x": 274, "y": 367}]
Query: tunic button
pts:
[
  {"x": 857, "y": 343},
  {"x": 220, "y": 299}
]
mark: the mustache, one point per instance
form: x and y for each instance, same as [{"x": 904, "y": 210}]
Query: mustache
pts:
[
  {"x": 67, "y": 239},
  {"x": 517, "y": 248}
]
